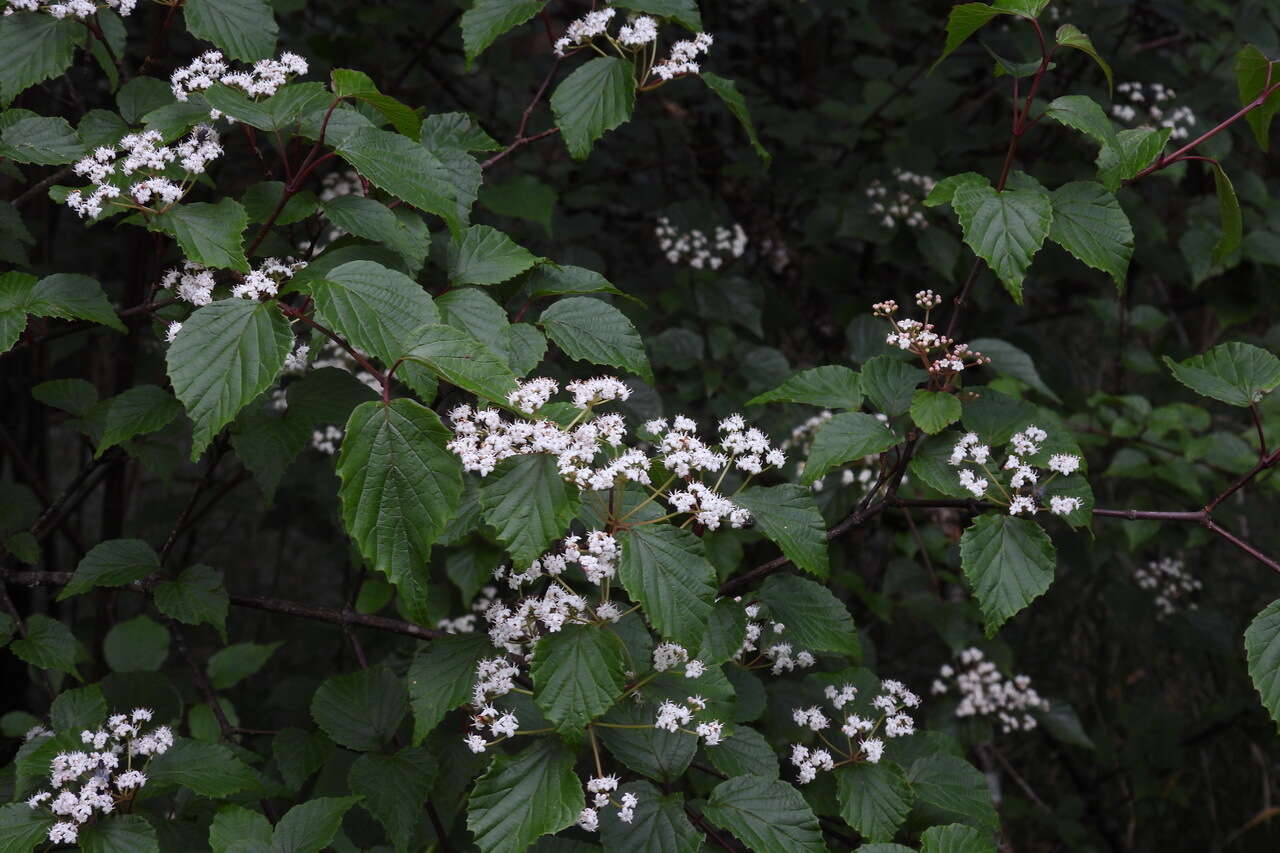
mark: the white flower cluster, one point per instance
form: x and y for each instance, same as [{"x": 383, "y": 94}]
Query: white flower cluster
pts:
[
  {"x": 1170, "y": 582},
  {"x": 109, "y": 767},
  {"x": 683, "y": 56},
  {"x": 1021, "y": 496},
  {"x": 861, "y": 475},
  {"x": 494, "y": 677},
  {"x": 466, "y": 623},
  {"x": 265, "y": 281},
  {"x": 583, "y": 30},
  {"x": 941, "y": 356},
  {"x": 1149, "y": 111},
  {"x": 904, "y": 206},
  {"x": 599, "y": 789},
  {"x": 143, "y": 151},
  {"x": 674, "y": 716},
  {"x": 984, "y": 691},
  {"x": 699, "y": 249},
  {"x": 892, "y": 704},
  {"x": 501, "y": 725},
  {"x": 778, "y": 657},
  {"x": 634, "y": 36},
  {"x": 194, "y": 283},
  {"x": 515, "y": 629},
  {"x": 70, "y": 8},
  {"x": 191, "y": 282},
  {"x": 671, "y": 655},
  {"x": 262, "y": 80}
]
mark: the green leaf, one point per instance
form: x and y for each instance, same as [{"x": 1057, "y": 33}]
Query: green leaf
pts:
[
  {"x": 591, "y": 330},
  {"x": 488, "y": 19},
  {"x": 75, "y": 396},
  {"x": 1008, "y": 360},
  {"x": 209, "y": 234},
  {"x": 728, "y": 92},
  {"x": 136, "y": 645},
  {"x": 846, "y": 437},
  {"x": 377, "y": 309},
  {"x": 1134, "y": 150},
  {"x": 394, "y": 788},
  {"x": 529, "y": 505},
  {"x": 831, "y": 387},
  {"x": 300, "y": 753},
  {"x": 934, "y": 411},
  {"x": 659, "y": 825},
  {"x": 361, "y": 710},
  {"x": 945, "y": 190},
  {"x": 548, "y": 279},
  {"x": 1253, "y": 74},
  {"x": 745, "y": 753},
  {"x": 1089, "y": 223},
  {"x": 278, "y": 112},
  {"x": 1235, "y": 373},
  {"x": 577, "y": 675},
  {"x": 397, "y": 164},
  {"x": 138, "y": 411},
  {"x": 23, "y": 828},
  {"x": 524, "y": 796},
  {"x": 207, "y": 769},
  {"x": 963, "y": 21},
  {"x": 243, "y": 29},
  {"x": 1008, "y": 562},
  {"x": 874, "y": 799},
  {"x": 789, "y": 516},
  {"x": 456, "y": 357},
  {"x": 262, "y": 198},
  {"x": 768, "y": 816},
  {"x": 232, "y": 664},
  {"x": 234, "y": 825},
  {"x": 400, "y": 485},
  {"x": 1069, "y": 35},
  {"x": 955, "y": 838},
  {"x": 348, "y": 83},
  {"x": 949, "y": 789},
  {"x": 116, "y": 562},
  {"x": 1232, "y": 221},
  {"x": 1085, "y": 115},
  {"x": 653, "y": 752},
  {"x": 311, "y": 826},
  {"x": 373, "y": 220},
  {"x": 596, "y": 98},
  {"x": 684, "y": 12},
  {"x": 196, "y": 596},
  {"x": 816, "y": 620},
  {"x": 1005, "y": 229},
  {"x": 15, "y": 301},
  {"x": 1262, "y": 647},
  {"x": 484, "y": 255},
  {"x": 126, "y": 833},
  {"x": 44, "y": 140},
  {"x": 226, "y": 353},
  {"x": 456, "y": 130},
  {"x": 34, "y": 48},
  {"x": 890, "y": 384},
  {"x": 664, "y": 568},
  {"x": 73, "y": 297},
  {"x": 522, "y": 197},
  {"x": 78, "y": 709},
  {"x": 441, "y": 676}
]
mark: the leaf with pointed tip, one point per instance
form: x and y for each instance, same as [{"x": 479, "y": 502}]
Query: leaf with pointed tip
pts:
[
  {"x": 659, "y": 824},
  {"x": 207, "y": 769},
  {"x": 945, "y": 190},
  {"x": 394, "y": 788},
  {"x": 592, "y": 330},
  {"x": 1008, "y": 360},
  {"x": 955, "y": 838},
  {"x": 456, "y": 357},
  {"x": 846, "y": 437},
  {"x": 486, "y": 20},
  {"x": 816, "y": 620},
  {"x": 664, "y": 568},
  {"x": 1237, "y": 374},
  {"x": 376, "y": 309},
  {"x": 577, "y": 675},
  {"x": 1008, "y": 562},
  {"x": 70, "y": 296},
  {"x": 1232, "y": 221},
  {"x": 243, "y": 29},
  {"x": 1135, "y": 149},
  {"x": 484, "y": 255},
  {"x": 33, "y": 48},
  {"x": 115, "y": 562},
  {"x": 1069, "y": 35},
  {"x": 1005, "y": 229},
  {"x": 138, "y": 411},
  {"x": 360, "y": 710},
  {"x": 949, "y": 789},
  {"x": 789, "y": 516},
  {"x": 529, "y": 505},
  {"x": 767, "y": 815},
  {"x": 1262, "y": 647},
  {"x": 874, "y": 798},
  {"x": 934, "y": 411},
  {"x": 43, "y": 140},
  {"x": 963, "y": 21},
  {"x": 1254, "y": 72},
  {"x": 728, "y": 92},
  {"x": 48, "y": 645},
  {"x": 409, "y": 171},
  {"x": 235, "y": 824},
  {"x": 745, "y": 753},
  {"x": 524, "y": 796},
  {"x": 209, "y": 234},
  {"x": 831, "y": 387},
  {"x": 441, "y": 676},
  {"x": 22, "y": 828},
  {"x": 195, "y": 596},
  {"x": 596, "y": 98},
  {"x": 311, "y": 826},
  {"x": 126, "y": 833},
  {"x": 1089, "y": 223},
  {"x": 643, "y": 748}
]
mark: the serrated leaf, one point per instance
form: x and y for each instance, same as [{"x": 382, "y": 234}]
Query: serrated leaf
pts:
[
  {"x": 226, "y": 353},
  {"x": 524, "y": 796},
  {"x": 277, "y": 112},
  {"x": 768, "y": 816},
  {"x": 596, "y": 98},
  {"x": 963, "y": 21},
  {"x": 952, "y": 789},
  {"x": 653, "y": 752},
  {"x": 745, "y": 753},
  {"x": 1008, "y": 562},
  {"x": 934, "y": 411},
  {"x": 685, "y": 12},
  {"x": 400, "y": 486},
  {"x": 311, "y": 826},
  {"x": 34, "y": 48},
  {"x": 664, "y": 569},
  {"x": 209, "y": 234},
  {"x": 75, "y": 396},
  {"x": 486, "y": 20},
  {"x": 1262, "y": 648},
  {"x": 233, "y": 825},
  {"x": 1254, "y": 73},
  {"x": 816, "y": 620},
  {"x": 138, "y": 411},
  {"x": 659, "y": 824},
  {"x": 23, "y": 828},
  {"x": 456, "y": 357},
  {"x": 789, "y": 516},
  {"x": 126, "y": 833},
  {"x": 43, "y": 140},
  {"x": 69, "y": 296},
  {"x": 374, "y": 221},
  {"x": 523, "y": 197},
  {"x": 243, "y": 29},
  {"x": 1085, "y": 115},
  {"x": 955, "y": 838},
  {"x": 529, "y": 505},
  {"x": 846, "y": 437},
  {"x": 1089, "y": 223},
  {"x": 1134, "y": 150},
  {"x": 890, "y": 384},
  {"x": 728, "y": 92},
  {"x": 1005, "y": 229},
  {"x": 136, "y": 645},
  {"x": 874, "y": 798},
  {"x": 484, "y": 255},
  {"x": 591, "y": 330},
  {"x": 548, "y": 279},
  {"x": 409, "y": 171},
  {"x": 48, "y": 644},
  {"x": 831, "y": 387},
  {"x": 116, "y": 562},
  {"x": 1069, "y": 35},
  {"x": 232, "y": 664},
  {"x": 944, "y": 190},
  {"x": 78, "y": 709},
  {"x": 441, "y": 676},
  {"x": 577, "y": 674},
  {"x": 1237, "y": 374},
  {"x": 456, "y": 130},
  {"x": 1229, "y": 210},
  {"x": 195, "y": 596},
  {"x": 207, "y": 769},
  {"x": 360, "y": 710},
  {"x": 394, "y": 788}
]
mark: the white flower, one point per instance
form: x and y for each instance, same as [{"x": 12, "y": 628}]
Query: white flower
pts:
[
  {"x": 1064, "y": 506},
  {"x": 1020, "y": 505},
  {"x": 475, "y": 743},
  {"x": 589, "y": 819},
  {"x": 1064, "y": 463},
  {"x": 711, "y": 732},
  {"x": 602, "y": 783},
  {"x": 872, "y": 749},
  {"x": 628, "y": 811},
  {"x": 639, "y": 32}
]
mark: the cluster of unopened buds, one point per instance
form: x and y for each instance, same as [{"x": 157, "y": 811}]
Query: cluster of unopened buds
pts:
[
  {"x": 697, "y": 248},
  {"x": 71, "y": 8},
  {"x": 637, "y": 38},
  {"x": 1170, "y": 583},
  {"x": 1149, "y": 111},
  {"x": 904, "y": 206},
  {"x": 146, "y": 157},
  {"x": 985, "y": 692},
  {"x": 861, "y": 474},
  {"x": 1024, "y": 486},
  {"x": 194, "y": 283},
  {"x": 84, "y": 784},
  {"x": 863, "y": 743},
  {"x": 772, "y": 654},
  {"x": 600, "y": 789},
  {"x": 941, "y": 356},
  {"x": 261, "y": 81}
]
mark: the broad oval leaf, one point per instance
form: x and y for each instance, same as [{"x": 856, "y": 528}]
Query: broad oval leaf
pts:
[
  {"x": 1088, "y": 223},
  {"x": 577, "y": 674},
  {"x": 209, "y": 234},
  {"x": 831, "y": 387},
  {"x": 1008, "y": 562},
  {"x": 768, "y": 816},
  {"x": 844, "y": 438},
  {"x": 664, "y": 568},
  {"x": 660, "y": 824},
  {"x": 591, "y": 330},
  {"x": 484, "y": 255},
  {"x": 1237, "y": 374},
  {"x": 524, "y": 796},
  {"x": 789, "y": 516},
  {"x": 934, "y": 411},
  {"x": 949, "y": 789},
  {"x": 597, "y": 97},
  {"x": 1005, "y": 229},
  {"x": 1262, "y": 647},
  {"x": 529, "y": 505},
  {"x": 456, "y": 357},
  {"x": 244, "y": 29},
  {"x": 360, "y": 710},
  {"x": 115, "y": 562},
  {"x": 874, "y": 798},
  {"x": 816, "y": 620}
]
